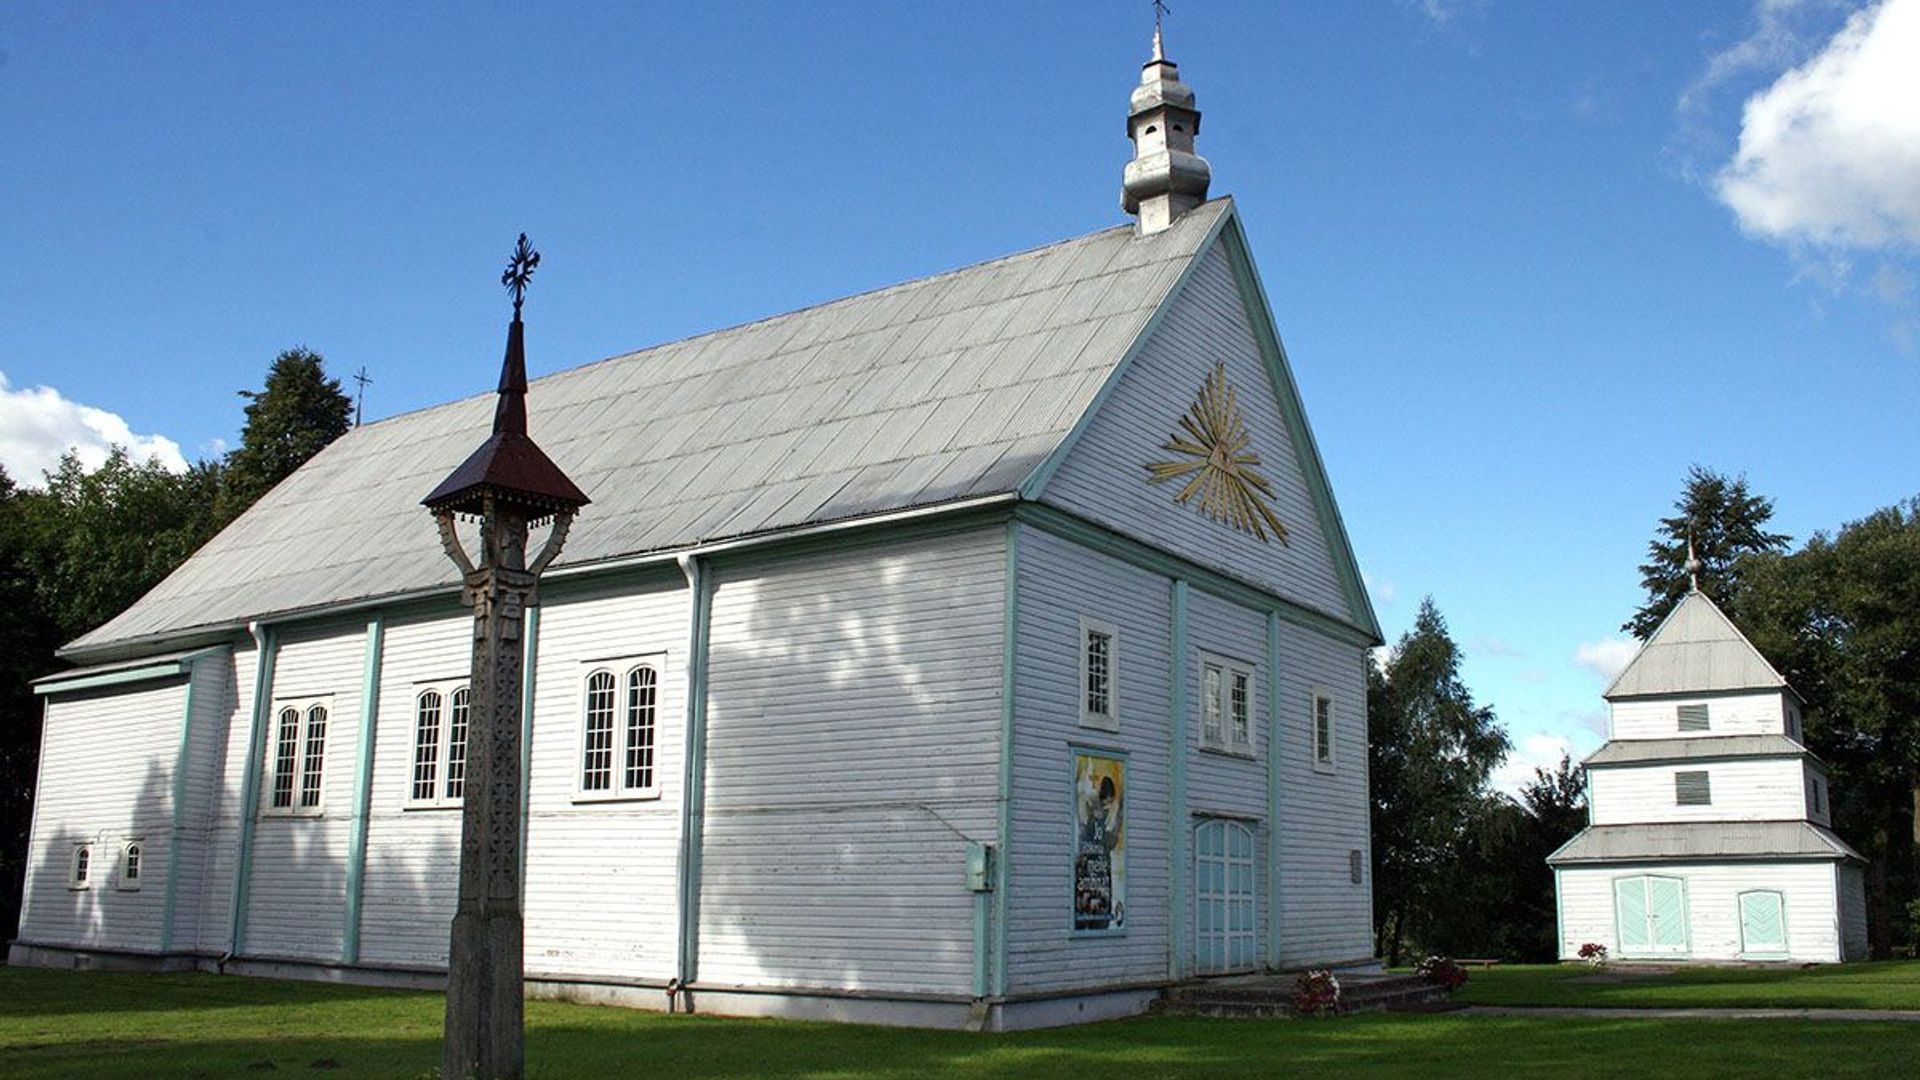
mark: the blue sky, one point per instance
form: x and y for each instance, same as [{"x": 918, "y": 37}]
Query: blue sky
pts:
[{"x": 1530, "y": 261}]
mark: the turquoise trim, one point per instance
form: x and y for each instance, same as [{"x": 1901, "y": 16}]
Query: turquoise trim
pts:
[
  {"x": 363, "y": 787},
  {"x": 269, "y": 651},
  {"x": 693, "y": 780},
  {"x": 1312, "y": 467},
  {"x": 529, "y": 661},
  {"x": 1126, "y": 549},
  {"x": 1036, "y": 481},
  {"x": 1560, "y": 918},
  {"x": 1009, "y": 655},
  {"x": 178, "y": 818},
  {"x": 114, "y": 678},
  {"x": 1276, "y": 753},
  {"x": 1178, "y": 872}
]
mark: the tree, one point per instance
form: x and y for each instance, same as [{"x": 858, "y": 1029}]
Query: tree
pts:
[
  {"x": 1723, "y": 521},
  {"x": 27, "y": 641},
  {"x": 1840, "y": 619},
  {"x": 293, "y": 417},
  {"x": 1431, "y": 752}
]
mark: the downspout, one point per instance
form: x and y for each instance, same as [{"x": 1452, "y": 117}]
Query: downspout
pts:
[
  {"x": 1276, "y": 925},
  {"x": 265, "y": 650},
  {"x": 178, "y": 818},
  {"x": 693, "y": 778},
  {"x": 363, "y": 788},
  {"x": 1178, "y": 873}
]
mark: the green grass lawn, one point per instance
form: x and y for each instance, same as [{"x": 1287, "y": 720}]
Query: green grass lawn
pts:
[
  {"x": 66, "y": 1024},
  {"x": 1892, "y": 984}
]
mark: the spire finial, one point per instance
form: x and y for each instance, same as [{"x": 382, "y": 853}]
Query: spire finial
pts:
[
  {"x": 1694, "y": 566},
  {"x": 1160, "y": 9},
  {"x": 519, "y": 273}
]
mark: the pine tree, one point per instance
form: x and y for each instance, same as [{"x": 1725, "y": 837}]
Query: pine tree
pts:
[
  {"x": 293, "y": 417},
  {"x": 1723, "y": 521}
]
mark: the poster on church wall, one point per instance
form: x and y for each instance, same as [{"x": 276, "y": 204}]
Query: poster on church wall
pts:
[{"x": 1099, "y": 842}]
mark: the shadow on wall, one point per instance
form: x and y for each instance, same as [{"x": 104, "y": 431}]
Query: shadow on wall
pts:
[
  {"x": 851, "y": 758},
  {"x": 109, "y": 909}
]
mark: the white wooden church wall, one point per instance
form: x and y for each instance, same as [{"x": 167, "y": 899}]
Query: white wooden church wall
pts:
[
  {"x": 601, "y": 887},
  {"x": 105, "y": 778},
  {"x": 215, "y": 701},
  {"x": 1759, "y": 789},
  {"x": 1222, "y": 784},
  {"x": 225, "y": 764},
  {"x": 1713, "y": 906},
  {"x": 1104, "y": 478},
  {"x": 297, "y": 892},
  {"x": 1325, "y": 916},
  {"x": 413, "y": 855},
  {"x": 1059, "y": 582},
  {"x": 1727, "y": 714},
  {"x": 853, "y": 735}
]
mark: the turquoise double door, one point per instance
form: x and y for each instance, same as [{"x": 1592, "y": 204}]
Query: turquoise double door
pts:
[{"x": 1650, "y": 915}]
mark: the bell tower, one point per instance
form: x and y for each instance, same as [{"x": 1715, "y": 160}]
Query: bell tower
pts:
[{"x": 1165, "y": 178}]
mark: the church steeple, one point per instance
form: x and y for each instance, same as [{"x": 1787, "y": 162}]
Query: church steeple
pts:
[{"x": 1165, "y": 178}]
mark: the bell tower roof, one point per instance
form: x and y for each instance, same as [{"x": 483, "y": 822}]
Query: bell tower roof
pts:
[{"x": 1166, "y": 178}]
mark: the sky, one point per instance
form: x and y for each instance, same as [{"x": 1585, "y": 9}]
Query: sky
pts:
[{"x": 1530, "y": 261}]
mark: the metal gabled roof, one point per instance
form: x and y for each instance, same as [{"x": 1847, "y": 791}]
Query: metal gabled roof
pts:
[
  {"x": 1695, "y": 650},
  {"x": 937, "y": 390},
  {"x": 1705, "y": 747},
  {"x": 1702, "y": 841}
]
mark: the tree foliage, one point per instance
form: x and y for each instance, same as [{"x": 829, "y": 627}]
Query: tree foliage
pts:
[
  {"x": 1724, "y": 521},
  {"x": 1840, "y": 619},
  {"x": 291, "y": 418},
  {"x": 1431, "y": 752}
]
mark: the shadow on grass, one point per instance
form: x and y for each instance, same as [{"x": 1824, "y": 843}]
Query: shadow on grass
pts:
[{"x": 1884, "y": 985}]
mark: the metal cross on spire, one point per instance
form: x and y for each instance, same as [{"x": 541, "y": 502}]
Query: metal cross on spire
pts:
[
  {"x": 1693, "y": 566},
  {"x": 519, "y": 272},
  {"x": 1160, "y": 10}
]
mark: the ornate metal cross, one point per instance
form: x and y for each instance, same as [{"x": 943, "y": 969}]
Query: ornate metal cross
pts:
[{"x": 519, "y": 272}]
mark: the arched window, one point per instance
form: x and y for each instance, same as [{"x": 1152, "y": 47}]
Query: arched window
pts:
[
  {"x": 130, "y": 864},
  {"x": 619, "y": 733},
  {"x": 82, "y": 869},
  {"x": 286, "y": 753},
  {"x": 457, "y": 745},
  {"x": 596, "y": 770},
  {"x": 314, "y": 758},
  {"x": 299, "y": 757},
  {"x": 426, "y": 746}
]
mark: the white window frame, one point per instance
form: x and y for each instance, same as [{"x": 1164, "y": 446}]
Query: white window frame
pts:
[
  {"x": 1329, "y": 761},
  {"x": 622, "y": 671},
  {"x": 302, "y": 752},
  {"x": 133, "y": 864},
  {"x": 1109, "y": 720},
  {"x": 1218, "y": 700},
  {"x": 441, "y": 797},
  {"x": 81, "y": 867}
]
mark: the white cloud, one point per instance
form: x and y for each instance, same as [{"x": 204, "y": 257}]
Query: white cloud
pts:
[
  {"x": 1383, "y": 592},
  {"x": 1538, "y": 751},
  {"x": 1445, "y": 11},
  {"x": 1495, "y": 648},
  {"x": 37, "y": 425},
  {"x": 1606, "y": 658},
  {"x": 1829, "y": 154}
]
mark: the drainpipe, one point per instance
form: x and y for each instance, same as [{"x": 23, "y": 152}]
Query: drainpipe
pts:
[
  {"x": 693, "y": 777},
  {"x": 265, "y": 650}
]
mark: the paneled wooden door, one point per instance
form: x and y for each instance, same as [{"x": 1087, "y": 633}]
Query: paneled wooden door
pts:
[{"x": 1224, "y": 900}]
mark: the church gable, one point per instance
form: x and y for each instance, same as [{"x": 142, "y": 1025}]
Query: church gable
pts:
[{"x": 1199, "y": 446}]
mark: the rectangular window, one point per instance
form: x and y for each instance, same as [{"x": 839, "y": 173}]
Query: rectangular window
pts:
[
  {"x": 1692, "y": 789},
  {"x": 1323, "y": 746},
  {"x": 1099, "y": 675},
  {"x": 1819, "y": 797},
  {"x": 1226, "y": 705},
  {"x": 439, "y": 746},
  {"x": 619, "y": 730},
  {"x": 299, "y": 756},
  {"x": 1693, "y": 718}
]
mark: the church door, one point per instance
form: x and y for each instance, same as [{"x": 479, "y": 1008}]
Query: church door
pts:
[
  {"x": 1223, "y": 897},
  {"x": 1763, "y": 925}
]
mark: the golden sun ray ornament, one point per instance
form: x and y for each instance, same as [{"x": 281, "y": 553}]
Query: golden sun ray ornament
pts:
[{"x": 1218, "y": 462}]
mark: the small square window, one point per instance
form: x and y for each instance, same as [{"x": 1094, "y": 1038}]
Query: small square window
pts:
[
  {"x": 132, "y": 864},
  {"x": 1099, "y": 675},
  {"x": 1692, "y": 789},
  {"x": 1226, "y": 706},
  {"x": 1323, "y": 733}
]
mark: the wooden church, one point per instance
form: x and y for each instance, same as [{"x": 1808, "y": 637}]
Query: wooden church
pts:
[
  {"x": 1711, "y": 823},
  {"x": 986, "y": 649}
]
